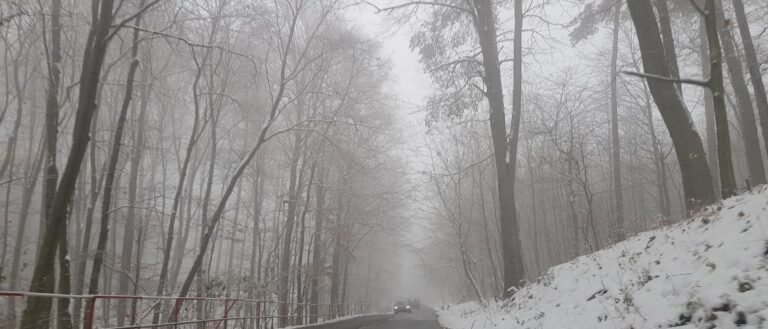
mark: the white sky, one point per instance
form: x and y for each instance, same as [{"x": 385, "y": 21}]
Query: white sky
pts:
[{"x": 409, "y": 82}]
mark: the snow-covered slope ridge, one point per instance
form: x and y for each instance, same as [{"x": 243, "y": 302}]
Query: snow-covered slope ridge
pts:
[{"x": 709, "y": 271}]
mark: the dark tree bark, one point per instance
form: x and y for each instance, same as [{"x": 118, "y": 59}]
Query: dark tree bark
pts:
[
  {"x": 338, "y": 247},
  {"x": 727, "y": 179},
  {"x": 709, "y": 111},
  {"x": 97, "y": 177},
  {"x": 489, "y": 241},
  {"x": 300, "y": 249},
  {"x": 748, "y": 122},
  {"x": 26, "y": 201},
  {"x": 668, "y": 40},
  {"x": 129, "y": 231},
  {"x": 64, "y": 320},
  {"x": 317, "y": 261},
  {"x": 191, "y": 142},
  {"x": 134, "y": 228},
  {"x": 52, "y": 107},
  {"x": 697, "y": 181},
  {"x": 114, "y": 158},
  {"x": 290, "y": 222},
  {"x": 504, "y": 146},
  {"x": 754, "y": 67},
  {"x": 659, "y": 159},
  {"x": 618, "y": 193},
  {"x": 37, "y": 310}
]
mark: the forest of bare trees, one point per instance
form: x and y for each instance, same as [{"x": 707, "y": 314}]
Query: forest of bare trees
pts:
[
  {"x": 207, "y": 148},
  {"x": 255, "y": 149},
  {"x": 603, "y": 140}
]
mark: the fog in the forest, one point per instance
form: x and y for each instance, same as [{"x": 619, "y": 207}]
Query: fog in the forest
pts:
[{"x": 321, "y": 158}]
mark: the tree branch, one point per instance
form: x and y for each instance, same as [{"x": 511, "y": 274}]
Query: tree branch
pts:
[
  {"x": 192, "y": 44},
  {"x": 701, "y": 83},
  {"x": 698, "y": 8},
  {"x": 125, "y": 21},
  {"x": 456, "y": 62},
  {"x": 417, "y": 3},
  {"x": 10, "y": 17}
]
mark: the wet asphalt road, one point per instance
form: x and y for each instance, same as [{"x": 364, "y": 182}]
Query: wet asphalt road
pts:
[{"x": 424, "y": 318}]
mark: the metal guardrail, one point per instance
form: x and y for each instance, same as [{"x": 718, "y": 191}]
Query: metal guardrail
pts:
[{"x": 186, "y": 312}]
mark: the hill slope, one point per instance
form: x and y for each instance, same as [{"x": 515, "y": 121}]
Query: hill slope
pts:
[{"x": 706, "y": 272}]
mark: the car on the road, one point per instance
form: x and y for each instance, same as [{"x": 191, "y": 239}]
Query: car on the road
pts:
[{"x": 402, "y": 306}]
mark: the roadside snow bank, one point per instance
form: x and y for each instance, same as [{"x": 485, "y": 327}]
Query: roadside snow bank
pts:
[{"x": 706, "y": 272}]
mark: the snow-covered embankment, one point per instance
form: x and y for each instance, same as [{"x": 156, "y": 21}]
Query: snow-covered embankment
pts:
[{"x": 706, "y": 272}]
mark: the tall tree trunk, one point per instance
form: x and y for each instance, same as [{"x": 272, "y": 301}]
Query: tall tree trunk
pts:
[
  {"x": 537, "y": 256},
  {"x": 465, "y": 265},
  {"x": 254, "y": 272},
  {"x": 185, "y": 222},
  {"x": 52, "y": 107},
  {"x": 6, "y": 226},
  {"x": 504, "y": 146},
  {"x": 231, "y": 253},
  {"x": 754, "y": 67},
  {"x": 26, "y": 202},
  {"x": 64, "y": 320},
  {"x": 709, "y": 111},
  {"x": 572, "y": 211},
  {"x": 85, "y": 245},
  {"x": 317, "y": 261},
  {"x": 14, "y": 136},
  {"x": 300, "y": 249},
  {"x": 618, "y": 193},
  {"x": 129, "y": 231},
  {"x": 258, "y": 200},
  {"x": 697, "y": 181},
  {"x": 727, "y": 179},
  {"x": 114, "y": 158},
  {"x": 668, "y": 40},
  {"x": 37, "y": 310},
  {"x": 192, "y": 141},
  {"x": 748, "y": 122},
  {"x": 489, "y": 242},
  {"x": 659, "y": 162},
  {"x": 35, "y": 314},
  {"x": 203, "y": 275},
  {"x": 230, "y": 186},
  {"x": 345, "y": 284},
  {"x": 338, "y": 248},
  {"x": 285, "y": 255}
]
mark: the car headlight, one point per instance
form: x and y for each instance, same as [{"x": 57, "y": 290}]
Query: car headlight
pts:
[{"x": 409, "y": 306}]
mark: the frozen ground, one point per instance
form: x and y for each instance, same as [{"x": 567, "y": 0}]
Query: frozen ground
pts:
[{"x": 706, "y": 272}]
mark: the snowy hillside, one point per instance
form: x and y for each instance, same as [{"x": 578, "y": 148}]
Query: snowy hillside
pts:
[{"x": 707, "y": 272}]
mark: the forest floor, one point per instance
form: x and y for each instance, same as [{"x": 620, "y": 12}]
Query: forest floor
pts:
[{"x": 709, "y": 271}]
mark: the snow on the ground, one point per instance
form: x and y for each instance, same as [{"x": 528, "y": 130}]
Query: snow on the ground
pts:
[{"x": 706, "y": 272}]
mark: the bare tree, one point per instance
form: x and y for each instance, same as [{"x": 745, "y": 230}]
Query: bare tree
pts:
[
  {"x": 753, "y": 67},
  {"x": 36, "y": 313},
  {"x": 697, "y": 182}
]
